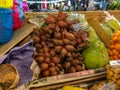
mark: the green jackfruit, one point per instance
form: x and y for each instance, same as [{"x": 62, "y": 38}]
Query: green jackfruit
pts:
[{"x": 96, "y": 55}]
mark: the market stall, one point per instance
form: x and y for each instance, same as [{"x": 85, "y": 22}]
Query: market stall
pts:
[
  {"x": 46, "y": 83},
  {"x": 61, "y": 50}
]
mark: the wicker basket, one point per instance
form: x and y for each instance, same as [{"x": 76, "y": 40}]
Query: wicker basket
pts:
[{"x": 8, "y": 76}]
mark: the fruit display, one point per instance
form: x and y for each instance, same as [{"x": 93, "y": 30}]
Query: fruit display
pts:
[
  {"x": 96, "y": 55},
  {"x": 62, "y": 48},
  {"x": 114, "y": 48},
  {"x": 113, "y": 75},
  {"x": 58, "y": 46}
]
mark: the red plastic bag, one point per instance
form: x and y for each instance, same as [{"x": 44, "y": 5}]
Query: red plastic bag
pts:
[
  {"x": 25, "y": 6},
  {"x": 16, "y": 16}
]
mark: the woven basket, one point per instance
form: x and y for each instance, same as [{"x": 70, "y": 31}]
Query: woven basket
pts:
[{"x": 8, "y": 76}]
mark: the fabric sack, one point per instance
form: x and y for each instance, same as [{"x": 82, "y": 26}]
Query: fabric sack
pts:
[{"x": 21, "y": 58}]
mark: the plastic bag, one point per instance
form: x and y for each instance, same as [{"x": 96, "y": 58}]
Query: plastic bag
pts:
[
  {"x": 21, "y": 58},
  {"x": 6, "y": 3},
  {"x": 113, "y": 69},
  {"x": 20, "y": 9},
  {"x": 6, "y": 25},
  {"x": 16, "y": 16},
  {"x": 109, "y": 86},
  {"x": 25, "y": 6},
  {"x": 83, "y": 25},
  {"x": 111, "y": 21}
]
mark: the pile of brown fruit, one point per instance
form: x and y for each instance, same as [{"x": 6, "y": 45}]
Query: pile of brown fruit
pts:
[{"x": 58, "y": 46}]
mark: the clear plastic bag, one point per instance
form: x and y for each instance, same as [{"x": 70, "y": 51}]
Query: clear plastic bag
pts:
[
  {"x": 108, "y": 86},
  {"x": 113, "y": 73},
  {"x": 81, "y": 17}
]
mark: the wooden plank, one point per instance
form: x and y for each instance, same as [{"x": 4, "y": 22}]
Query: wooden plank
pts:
[
  {"x": 66, "y": 80},
  {"x": 71, "y": 82},
  {"x": 18, "y": 35}
]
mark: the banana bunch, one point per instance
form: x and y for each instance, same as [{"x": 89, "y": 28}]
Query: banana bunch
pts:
[
  {"x": 68, "y": 87},
  {"x": 114, "y": 5},
  {"x": 113, "y": 24}
]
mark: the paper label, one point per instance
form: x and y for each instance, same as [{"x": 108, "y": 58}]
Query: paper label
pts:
[{"x": 114, "y": 62}]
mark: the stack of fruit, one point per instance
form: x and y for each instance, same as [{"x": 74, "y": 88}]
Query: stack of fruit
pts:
[
  {"x": 113, "y": 75},
  {"x": 59, "y": 46},
  {"x": 114, "y": 48}
]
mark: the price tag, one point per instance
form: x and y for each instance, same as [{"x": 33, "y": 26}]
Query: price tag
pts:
[{"x": 114, "y": 62}]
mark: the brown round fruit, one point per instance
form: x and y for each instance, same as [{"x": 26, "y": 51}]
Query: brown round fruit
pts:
[
  {"x": 52, "y": 64},
  {"x": 78, "y": 68},
  {"x": 47, "y": 60},
  {"x": 72, "y": 69},
  {"x": 46, "y": 73},
  {"x": 52, "y": 69},
  {"x": 44, "y": 66},
  {"x": 40, "y": 59}
]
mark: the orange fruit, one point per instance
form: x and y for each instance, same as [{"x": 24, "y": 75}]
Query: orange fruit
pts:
[
  {"x": 115, "y": 57},
  {"x": 115, "y": 52}
]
